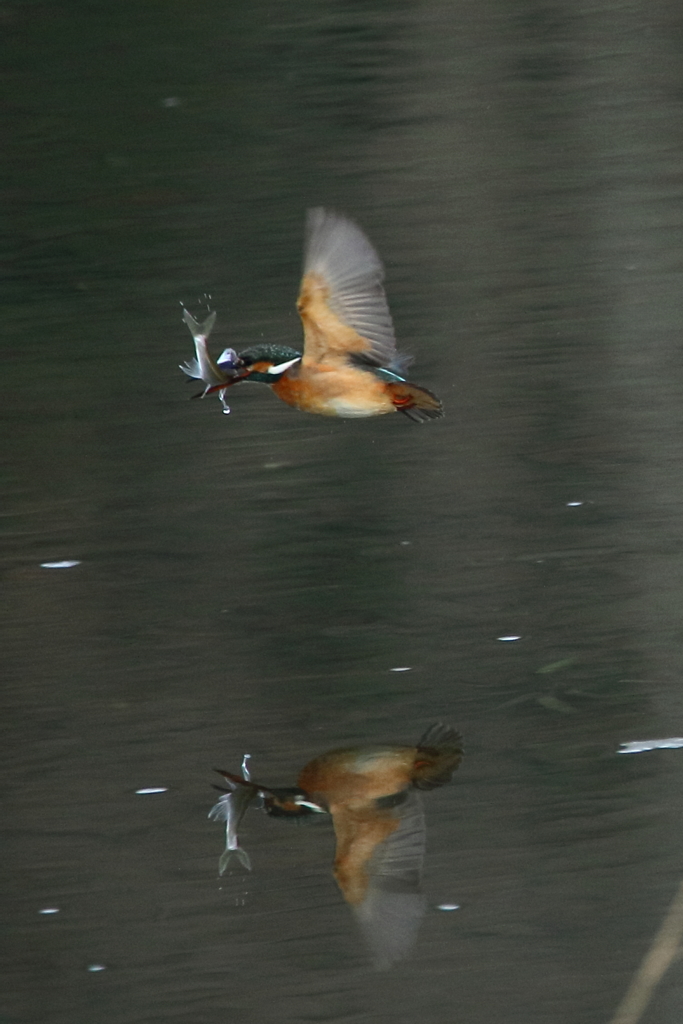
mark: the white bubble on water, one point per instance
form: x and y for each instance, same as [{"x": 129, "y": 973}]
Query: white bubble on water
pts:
[{"x": 638, "y": 746}]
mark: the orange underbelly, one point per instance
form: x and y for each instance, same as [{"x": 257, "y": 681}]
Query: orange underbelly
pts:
[{"x": 347, "y": 392}]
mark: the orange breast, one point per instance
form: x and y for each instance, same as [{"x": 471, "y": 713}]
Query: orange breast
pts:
[{"x": 335, "y": 391}]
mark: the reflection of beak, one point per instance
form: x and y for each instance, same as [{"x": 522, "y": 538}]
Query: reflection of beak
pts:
[
  {"x": 290, "y": 801},
  {"x": 237, "y": 780},
  {"x": 309, "y": 803}
]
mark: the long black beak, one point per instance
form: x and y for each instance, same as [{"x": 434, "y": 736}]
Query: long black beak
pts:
[{"x": 239, "y": 376}]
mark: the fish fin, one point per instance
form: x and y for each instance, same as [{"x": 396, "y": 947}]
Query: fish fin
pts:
[
  {"x": 191, "y": 369},
  {"x": 219, "y": 811}
]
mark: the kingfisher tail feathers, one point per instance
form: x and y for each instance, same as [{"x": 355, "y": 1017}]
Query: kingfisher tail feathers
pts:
[{"x": 417, "y": 403}]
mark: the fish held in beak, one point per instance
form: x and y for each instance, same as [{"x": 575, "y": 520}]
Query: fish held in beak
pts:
[{"x": 215, "y": 374}]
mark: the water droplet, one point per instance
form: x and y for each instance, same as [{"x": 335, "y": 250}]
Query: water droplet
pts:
[
  {"x": 574, "y": 504},
  {"x": 507, "y": 639},
  {"x": 152, "y": 789},
  {"x": 68, "y": 563},
  {"x": 448, "y": 906},
  {"x": 94, "y": 968},
  {"x": 401, "y": 668},
  {"x": 49, "y": 910}
]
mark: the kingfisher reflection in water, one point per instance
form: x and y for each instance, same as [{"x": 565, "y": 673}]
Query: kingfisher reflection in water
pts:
[
  {"x": 372, "y": 794},
  {"x": 230, "y": 809}
]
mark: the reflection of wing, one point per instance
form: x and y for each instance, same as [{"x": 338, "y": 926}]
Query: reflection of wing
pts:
[
  {"x": 385, "y": 888},
  {"x": 341, "y": 301}
]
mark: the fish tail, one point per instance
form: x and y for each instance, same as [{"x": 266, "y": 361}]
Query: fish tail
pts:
[
  {"x": 198, "y": 330},
  {"x": 230, "y": 859}
]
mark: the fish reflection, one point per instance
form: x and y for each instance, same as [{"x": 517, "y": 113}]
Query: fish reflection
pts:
[
  {"x": 230, "y": 809},
  {"x": 373, "y": 796},
  {"x": 349, "y": 366}
]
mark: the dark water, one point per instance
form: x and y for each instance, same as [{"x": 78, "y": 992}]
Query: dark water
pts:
[{"x": 248, "y": 583}]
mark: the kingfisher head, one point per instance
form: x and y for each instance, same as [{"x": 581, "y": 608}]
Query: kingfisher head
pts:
[{"x": 266, "y": 363}]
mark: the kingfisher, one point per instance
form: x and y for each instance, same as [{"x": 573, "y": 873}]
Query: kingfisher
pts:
[
  {"x": 349, "y": 365},
  {"x": 373, "y": 796}
]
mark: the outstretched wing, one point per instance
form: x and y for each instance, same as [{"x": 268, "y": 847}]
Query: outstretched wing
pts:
[
  {"x": 381, "y": 879},
  {"x": 341, "y": 301}
]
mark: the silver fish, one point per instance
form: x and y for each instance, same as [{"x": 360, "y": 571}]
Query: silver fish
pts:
[
  {"x": 230, "y": 809},
  {"x": 204, "y": 367}
]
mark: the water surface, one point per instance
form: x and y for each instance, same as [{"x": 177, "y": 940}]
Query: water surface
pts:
[{"x": 247, "y": 583}]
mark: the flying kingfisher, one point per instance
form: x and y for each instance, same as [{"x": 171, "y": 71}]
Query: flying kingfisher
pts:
[
  {"x": 372, "y": 794},
  {"x": 349, "y": 366}
]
